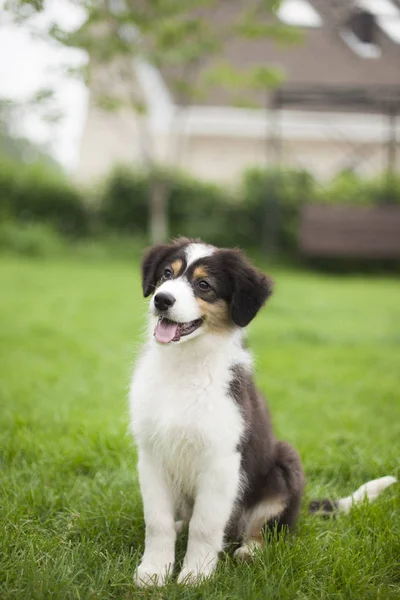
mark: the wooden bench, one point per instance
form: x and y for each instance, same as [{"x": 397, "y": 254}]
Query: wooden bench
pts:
[{"x": 348, "y": 231}]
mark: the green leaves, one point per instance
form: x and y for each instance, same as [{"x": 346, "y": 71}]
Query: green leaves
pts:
[
  {"x": 43, "y": 95},
  {"x": 181, "y": 42},
  {"x": 22, "y": 10},
  {"x": 259, "y": 23},
  {"x": 109, "y": 103},
  {"x": 188, "y": 41},
  {"x": 258, "y": 77}
]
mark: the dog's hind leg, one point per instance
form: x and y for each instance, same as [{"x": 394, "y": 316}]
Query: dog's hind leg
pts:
[
  {"x": 261, "y": 514},
  {"x": 279, "y": 500}
]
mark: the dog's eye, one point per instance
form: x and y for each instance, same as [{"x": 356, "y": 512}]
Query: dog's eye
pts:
[
  {"x": 167, "y": 273},
  {"x": 203, "y": 284}
]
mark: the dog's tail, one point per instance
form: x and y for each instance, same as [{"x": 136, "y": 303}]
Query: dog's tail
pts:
[{"x": 368, "y": 491}]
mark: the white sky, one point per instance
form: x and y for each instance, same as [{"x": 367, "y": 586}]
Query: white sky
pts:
[{"x": 28, "y": 63}]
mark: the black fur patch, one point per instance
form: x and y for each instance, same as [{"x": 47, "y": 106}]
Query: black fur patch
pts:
[
  {"x": 234, "y": 280},
  {"x": 323, "y": 507},
  {"x": 272, "y": 468},
  {"x": 157, "y": 258},
  {"x": 249, "y": 287}
]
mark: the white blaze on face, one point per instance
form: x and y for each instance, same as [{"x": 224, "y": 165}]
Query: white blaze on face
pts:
[
  {"x": 185, "y": 308},
  {"x": 195, "y": 251}
]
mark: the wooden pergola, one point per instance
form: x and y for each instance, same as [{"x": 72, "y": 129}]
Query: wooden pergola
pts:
[
  {"x": 345, "y": 231},
  {"x": 379, "y": 100}
]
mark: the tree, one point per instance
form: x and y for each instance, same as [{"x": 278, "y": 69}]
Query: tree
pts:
[{"x": 177, "y": 35}]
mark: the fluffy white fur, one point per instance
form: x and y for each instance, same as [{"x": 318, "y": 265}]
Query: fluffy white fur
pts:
[
  {"x": 195, "y": 251},
  {"x": 187, "y": 430}
]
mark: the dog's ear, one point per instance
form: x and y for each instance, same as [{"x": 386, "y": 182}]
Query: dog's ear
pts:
[
  {"x": 249, "y": 287},
  {"x": 152, "y": 259}
]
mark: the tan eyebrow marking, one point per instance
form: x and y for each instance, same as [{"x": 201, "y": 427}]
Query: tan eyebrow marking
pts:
[
  {"x": 177, "y": 266},
  {"x": 199, "y": 272}
]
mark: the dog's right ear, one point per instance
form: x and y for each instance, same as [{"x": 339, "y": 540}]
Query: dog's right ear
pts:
[
  {"x": 152, "y": 259},
  {"x": 249, "y": 287}
]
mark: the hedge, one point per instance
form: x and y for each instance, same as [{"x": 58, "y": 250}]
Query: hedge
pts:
[
  {"x": 264, "y": 208},
  {"x": 240, "y": 217},
  {"x": 37, "y": 193},
  {"x": 195, "y": 208}
]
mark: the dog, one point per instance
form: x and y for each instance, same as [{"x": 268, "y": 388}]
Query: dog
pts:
[{"x": 207, "y": 453}]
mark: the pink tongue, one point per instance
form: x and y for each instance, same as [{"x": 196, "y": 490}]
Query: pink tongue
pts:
[{"x": 165, "y": 331}]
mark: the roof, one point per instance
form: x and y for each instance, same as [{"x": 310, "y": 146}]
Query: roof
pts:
[{"x": 322, "y": 57}]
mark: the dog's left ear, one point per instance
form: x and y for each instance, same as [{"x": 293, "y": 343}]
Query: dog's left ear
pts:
[
  {"x": 250, "y": 287},
  {"x": 152, "y": 259}
]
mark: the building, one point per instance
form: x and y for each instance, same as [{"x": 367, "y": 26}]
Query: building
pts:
[{"x": 351, "y": 46}]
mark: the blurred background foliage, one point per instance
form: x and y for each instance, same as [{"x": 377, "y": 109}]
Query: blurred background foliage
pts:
[
  {"x": 174, "y": 35},
  {"x": 40, "y": 209}
]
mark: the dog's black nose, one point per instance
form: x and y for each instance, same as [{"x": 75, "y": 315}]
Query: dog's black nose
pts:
[{"x": 163, "y": 301}]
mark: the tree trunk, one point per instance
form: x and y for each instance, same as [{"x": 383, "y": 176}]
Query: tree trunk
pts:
[{"x": 158, "y": 209}]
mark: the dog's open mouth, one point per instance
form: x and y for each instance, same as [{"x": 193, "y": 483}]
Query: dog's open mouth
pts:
[{"x": 169, "y": 331}]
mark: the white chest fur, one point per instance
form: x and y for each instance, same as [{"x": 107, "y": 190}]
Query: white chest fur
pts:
[{"x": 181, "y": 411}]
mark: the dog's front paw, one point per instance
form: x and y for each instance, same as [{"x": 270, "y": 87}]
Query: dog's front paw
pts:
[
  {"x": 188, "y": 577},
  {"x": 149, "y": 575},
  {"x": 196, "y": 575}
]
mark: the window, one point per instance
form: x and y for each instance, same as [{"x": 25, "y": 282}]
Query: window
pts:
[
  {"x": 387, "y": 16},
  {"x": 379, "y": 7},
  {"x": 365, "y": 50},
  {"x": 299, "y": 13}
]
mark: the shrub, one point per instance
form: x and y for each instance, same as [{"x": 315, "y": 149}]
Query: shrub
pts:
[
  {"x": 200, "y": 209},
  {"x": 35, "y": 193},
  {"x": 262, "y": 212},
  {"x": 271, "y": 201},
  {"x": 195, "y": 208},
  {"x": 345, "y": 188},
  {"x": 385, "y": 190},
  {"x": 30, "y": 239},
  {"x": 349, "y": 188},
  {"x": 123, "y": 201}
]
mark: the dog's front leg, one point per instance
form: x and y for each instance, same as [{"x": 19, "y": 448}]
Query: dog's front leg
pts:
[
  {"x": 159, "y": 554},
  {"x": 218, "y": 489}
]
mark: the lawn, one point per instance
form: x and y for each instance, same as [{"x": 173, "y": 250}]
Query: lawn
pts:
[{"x": 327, "y": 356}]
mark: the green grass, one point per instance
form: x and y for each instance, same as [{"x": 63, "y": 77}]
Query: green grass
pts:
[{"x": 327, "y": 356}]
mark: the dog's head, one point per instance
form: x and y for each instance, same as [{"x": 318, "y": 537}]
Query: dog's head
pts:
[{"x": 197, "y": 288}]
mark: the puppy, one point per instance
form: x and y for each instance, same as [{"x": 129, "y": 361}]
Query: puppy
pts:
[{"x": 207, "y": 452}]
